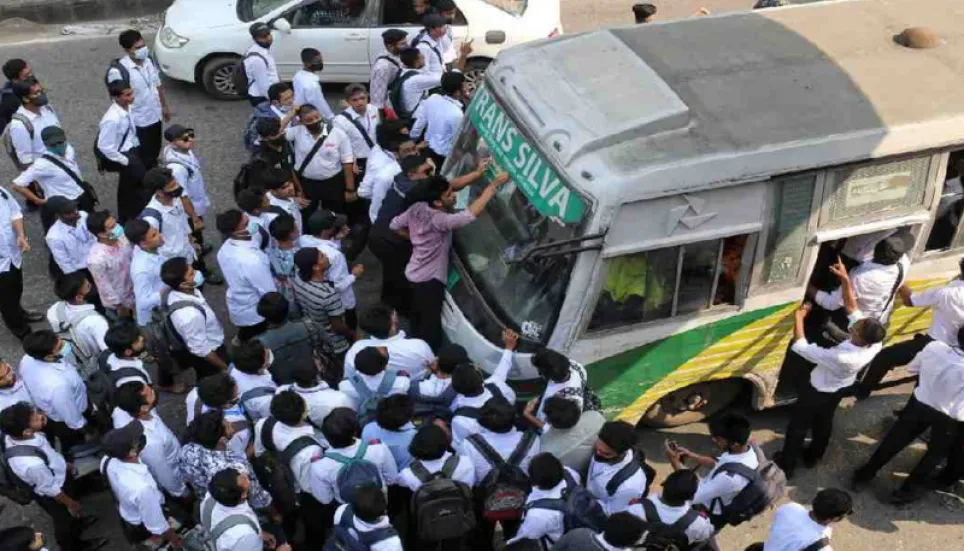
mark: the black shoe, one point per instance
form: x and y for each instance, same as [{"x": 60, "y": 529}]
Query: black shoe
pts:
[
  {"x": 33, "y": 316},
  {"x": 859, "y": 482},
  {"x": 861, "y": 393},
  {"x": 810, "y": 461},
  {"x": 93, "y": 544}
]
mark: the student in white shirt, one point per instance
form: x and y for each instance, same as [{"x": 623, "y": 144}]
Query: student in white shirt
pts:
[
  {"x": 623, "y": 531},
  {"x": 13, "y": 243},
  {"x": 431, "y": 454},
  {"x": 145, "y": 267},
  {"x": 371, "y": 382},
  {"x": 247, "y": 271},
  {"x": 393, "y": 427},
  {"x": 259, "y": 64},
  {"x": 28, "y": 122},
  {"x": 417, "y": 81},
  {"x": 73, "y": 316},
  {"x": 439, "y": 118},
  {"x": 250, "y": 370},
  {"x": 253, "y": 202},
  {"x": 875, "y": 282},
  {"x": 675, "y": 503},
  {"x": 221, "y": 392},
  {"x": 68, "y": 238},
  {"x": 796, "y": 529},
  {"x": 307, "y": 84},
  {"x": 117, "y": 141},
  {"x": 127, "y": 345},
  {"x": 171, "y": 213},
  {"x": 193, "y": 320},
  {"x": 55, "y": 386},
  {"x": 360, "y": 121},
  {"x": 432, "y": 393},
  {"x": 549, "y": 480},
  {"x": 320, "y": 399},
  {"x": 429, "y": 43},
  {"x": 367, "y": 516},
  {"x": 379, "y": 326},
  {"x": 326, "y": 231},
  {"x": 227, "y": 501},
  {"x": 340, "y": 428},
  {"x": 326, "y": 171},
  {"x": 392, "y": 145},
  {"x": 12, "y": 389},
  {"x": 472, "y": 392},
  {"x": 386, "y": 66},
  {"x": 180, "y": 158},
  {"x": 281, "y": 194},
  {"x": 836, "y": 371},
  {"x": 615, "y": 476},
  {"x": 562, "y": 377}
]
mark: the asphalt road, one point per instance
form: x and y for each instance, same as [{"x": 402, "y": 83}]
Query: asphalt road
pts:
[{"x": 73, "y": 71}]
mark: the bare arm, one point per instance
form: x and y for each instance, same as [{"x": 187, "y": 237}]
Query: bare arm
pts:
[
  {"x": 905, "y": 293},
  {"x": 29, "y": 195},
  {"x": 469, "y": 177},
  {"x": 482, "y": 200},
  {"x": 798, "y": 318},
  {"x": 216, "y": 360},
  {"x": 847, "y": 287}
]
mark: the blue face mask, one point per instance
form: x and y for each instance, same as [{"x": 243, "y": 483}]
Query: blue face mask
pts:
[
  {"x": 65, "y": 351},
  {"x": 198, "y": 278},
  {"x": 59, "y": 150},
  {"x": 253, "y": 228},
  {"x": 116, "y": 233}
]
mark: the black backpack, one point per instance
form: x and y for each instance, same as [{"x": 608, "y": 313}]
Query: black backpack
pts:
[
  {"x": 281, "y": 478},
  {"x": 116, "y": 64},
  {"x": 443, "y": 508},
  {"x": 661, "y": 536},
  {"x": 239, "y": 77},
  {"x": 505, "y": 488},
  {"x": 767, "y": 484},
  {"x": 395, "y": 93},
  {"x": 580, "y": 509},
  {"x": 11, "y": 485}
]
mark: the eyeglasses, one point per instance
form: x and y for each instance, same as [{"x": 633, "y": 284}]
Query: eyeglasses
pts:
[{"x": 187, "y": 137}]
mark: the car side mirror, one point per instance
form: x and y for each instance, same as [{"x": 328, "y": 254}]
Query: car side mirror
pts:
[{"x": 282, "y": 24}]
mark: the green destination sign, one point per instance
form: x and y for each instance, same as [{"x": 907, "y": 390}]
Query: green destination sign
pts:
[{"x": 531, "y": 174}]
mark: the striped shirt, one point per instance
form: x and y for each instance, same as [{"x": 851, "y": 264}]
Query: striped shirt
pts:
[{"x": 319, "y": 301}]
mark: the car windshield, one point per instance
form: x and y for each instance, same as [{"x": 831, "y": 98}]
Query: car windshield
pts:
[
  {"x": 534, "y": 208},
  {"x": 515, "y": 7},
  {"x": 249, "y": 10}
]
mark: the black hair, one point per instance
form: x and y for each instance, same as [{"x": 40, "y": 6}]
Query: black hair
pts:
[
  {"x": 451, "y": 356},
  {"x": 389, "y": 135},
  {"x": 618, "y": 435},
  {"x": 12, "y": 69},
  {"x": 68, "y": 286},
  {"x": 562, "y": 413},
  {"x": 452, "y": 82},
  {"x": 40, "y": 344},
  {"x": 429, "y": 190},
  {"x": 412, "y": 163},
  {"x": 224, "y": 488},
  {"x": 467, "y": 381},
  {"x": 97, "y": 221},
  {"x": 121, "y": 337},
  {"x": 409, "y": 57},
  {"x": 498, "y": 415},
  {"x": 250, "y": 199},
  {"x": 206, "y": 429},
  {"x": 546, "y": 471},
  {"x": 274, "y": 178},
  {"x": 278, "y": 88},
  {"x": 267, "y": 127},
  {"x": 216, "y": 390},
  {"x": 129, "y": 397},
  {"x": 304, "y": 373},
  {"x": 872, "y": 331},
  {"x": 282, "y": 226},
  {"x": 128, "y": 38},
  {"x": 306, "y": 109},
  {"x": 173, "y": 271},
  {"x": 340, "y": 427},
  {"x": 157, "y": 178},
  {"x": 355, "y": 88},
  {"x": 18, "y": 538},
  {"x": 370, "y": 361},
  {"x": 887, "y": 252},
  {"x": 288, "y": 407},
  {"x": 679, "y": 487},
  {"x": 136, "y": 230},
  {"x": 249, "y": 357},
  {"x": 551, "y": 364},
  {"x": 377, "y": 321},
  {"x": 831, "y": 503},
  {"x": 429, "y": 443},
  {"x": 273, "y": 307},
  {"x": 642, "y": 12},
  {"x": 734, "y": 428},
  {"x": 445, "y": 5},
  {"x": 228, "y": 221},
  {"x": 116, "y": 88},
  {"x": 305, "y": 260},
  {"x": 369, "y": 503},
  {"x": 623, "y": 529},
  {"x": 394, "y": 412},
  {"x": 15, "y": 419},
  {"x": 309, "y": 54}
]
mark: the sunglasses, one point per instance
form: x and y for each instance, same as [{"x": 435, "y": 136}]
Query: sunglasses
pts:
[{"x": 186, "y": 137}]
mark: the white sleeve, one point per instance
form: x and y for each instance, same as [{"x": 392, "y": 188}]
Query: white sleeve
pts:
[
  {"x": 829, "y": 301},
  {"x": 387, "y": 465},
  {"x": 61, "y": 253},
  {"x": 65, "y": 404},
  {"x": 98, "y": 328},
  {"x": 191, "y": 325},
  {"x": 257, "y": 69},
  {"x": 701, "y": 530},
  {"x": 22, "y": 142},
  {"x": 534, "y": 526},
  {"x": 421, "y": 120},
  {"x": 107, "y": 142},
  {"x": 250, "y": 541},
  {"x": 261, "y": 279},
  {"x": 42, "y": 480},
  {"x": 26, "y": 177},
  {"x": 322, "y": 486},
  {"x": 152, "y": 515},
  {"x": 344, "y": 149},
  {"x": 114, "y": 74}
]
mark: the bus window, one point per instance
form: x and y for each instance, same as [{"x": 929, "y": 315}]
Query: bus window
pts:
[
  {"x": 948, "y": 216},
  {"x": 669, "y": 282}
]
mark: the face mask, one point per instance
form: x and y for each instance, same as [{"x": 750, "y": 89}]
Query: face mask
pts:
[
  {"x": 317, "y": 67},
  {"x": 270, "y": 360},
  {"x": 116, "y": 233},
  {"x": 253, "y": 228},
  {"x": 285, "y": 108},
  {"x": 67, "y": 350},
  {"x": 314, "y": 128},
  {"x": 59, "y": 150},
  {"x": 176, "y": 192},
  {"x": 142, "y": 53},
  {"x": 198, "y": 278},
  {"x": 279, "y": 140},
  {"x": 40, "y": 100}
]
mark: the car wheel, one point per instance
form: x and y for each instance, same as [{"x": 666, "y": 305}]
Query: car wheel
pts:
[
  {"x": 691, "y": 404},
  {"x": 475, "y": 74},
  {"x": 216, "y": 78}
]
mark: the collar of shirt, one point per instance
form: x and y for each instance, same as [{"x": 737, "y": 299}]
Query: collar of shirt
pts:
[
  {"x": 176, "y": 207},
  {"x": 195, "y": 297},
  {"x": 115, "y": 111},
  {"x": 247, "y": 381},
  {"x": 28, "y": 361},
  {"x": 598, "y": 469},
  {"x": 241, "y": 243},
  {"x": 37, "y": 441},
  {"x": 309, "y": 389},
  {"x": 453, "y": 101},
  {"x": 747, "y": 458},
  {"x": 552, "y": 493},
  {"x": 14, "y": 388}
]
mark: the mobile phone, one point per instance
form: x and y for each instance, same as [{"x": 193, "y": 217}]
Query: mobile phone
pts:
[{"x": 672, "y": 446}]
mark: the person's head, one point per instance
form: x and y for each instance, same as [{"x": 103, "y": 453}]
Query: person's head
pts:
[
  {"x": 281, "y": 94},
  {"x": 289, "y": 408},
  {"x": 421, "y": 7},
  {"x": 161, "y": 181},
  {"x": 394, "y": 412},
  {"x": 449, "y": 357},
  {"x": 447, "y": 9},
  {"x": 21, "y": 538},
  {"x": 8, "y": 375},
  {"x": 45, "y": 345},
  {"x": 261, "y": 33},
  {"x": 340, "y": 427},
  {"x": 218, "y": 391},
  {"x": 135, "y": 398},
  {"x": 623, "y": 529},
  {"x": 144, "y": 235},
  {"x": 312, "y": 60},
  {"x": 867, "y": 332},
  {"x": 644, "y": 13},
  {"x": 55, "y": 140},
  {"x": 252, "y": 357},
  {"x": 234, "y": 224},
  {"x": 369, "y": 503},
  {"x": 371, "y": 361},
  {"x": 831, "y": 505},
  {"x": 278, "y": 182},
  {"x": 252, "y": 200},
  {"x": 730, "y": 431},
  {"x": 208, "y": 429},
  {"x": 615, "y": 439},
  {"x": 467, "y": 381},
  {"x": 393, "y": 137},
  {"x": 429, "y": 443},
  {"x": 73, "y": 287},
  {"x": 66, "y": 209},
  {"x": 125, "y": 340},
  {"x": 179, "y": 275},
  {"x": 311, "y": 119},
  {"x": 679, "y": 487},
  {"x": 498, "y": 415},
  {"x": 103, "y": 225},
  {"x": 888, "y": 251},
  {"x": 305, "y": 374},
  {"x": 312, "y": 264},
  {"x": 273, "y": 307},
  {"x": 326, "y": 224},
  {"x": 357, "y": 97},
  {"x": 435, "y": 25},
  {"x": 411, "y": 58},
  {"x": 229, "y": 487},
  {"x": 417, "y": 167},
  {"x": 22, "y": 420},
  {"x": 30, "y": 93},
  {"x": 133, "y": 43},
  {"x": 180, "y": 137},
  {"x": 453, "y": 83},
  {"x": 436, "y": 191},
  {"x": 121, "y": 93},
  {"x": 562, "y": 413},
  {"x": 125, "y": 443},
  {"x": 546, "y": 471},
  {"x": 393, "y": 39},
  {"x": 379, "y": 321},
  {"x": 284, "y": 229},
  {"x": 551, "y": 365},
  {"x": 17, "y": 69}
]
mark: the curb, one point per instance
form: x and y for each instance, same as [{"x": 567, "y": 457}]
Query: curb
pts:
[{"x": 73, "y": 11}]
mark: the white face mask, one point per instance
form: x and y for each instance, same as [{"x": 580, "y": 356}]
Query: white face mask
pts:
[
  {"x": 270, "y": 360},
  {"x": 142, "y": 53}
]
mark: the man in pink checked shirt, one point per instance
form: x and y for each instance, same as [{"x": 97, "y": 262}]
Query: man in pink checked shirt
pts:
[{"x": 109, "y": 262}]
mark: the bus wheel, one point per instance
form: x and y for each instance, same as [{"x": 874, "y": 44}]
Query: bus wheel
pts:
[{"x": 691, "y": 404}]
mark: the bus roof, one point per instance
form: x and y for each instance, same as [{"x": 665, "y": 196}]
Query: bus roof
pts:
[{"x": 656, "y": 109}]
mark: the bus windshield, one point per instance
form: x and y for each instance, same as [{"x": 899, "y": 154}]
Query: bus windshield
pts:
[{"x": 534, "y": 208}]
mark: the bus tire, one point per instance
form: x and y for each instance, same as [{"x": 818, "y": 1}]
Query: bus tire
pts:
[{"x": 692, "y": 404}]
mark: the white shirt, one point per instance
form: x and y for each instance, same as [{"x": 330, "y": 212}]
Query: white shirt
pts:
[
  {"x": 432, "y": 50},
  {"x": 46, "y": 479},
  {"x": 289, "y": 206},
  {"x": 186, "y": 169},
  {"x": 399, "y": 386},
  {"x": 69, "y": 245},
  {"x": 146, "y": 276},
  {"x": 117, "y": 134},
  {"x": 576, "y": 380},
  {"x": 14, "y": 395},
  {"x": 139, "y": 500},
  {"x": 948, "y": 314},
  {"x": 144, "y": 80},
  {"x": 302, "y": 464},
  {"x": 368, "y": 120},
  {"x": 28, "y": 147},
  {"x": 504, "y": 444},
  {"x": 861, "y": 247},
  {"x": 715, "y": 491},
  {"x": 89, "y": 326},
  {"x": 57, "y": 389},
  {"x": 327, "y": 162},
  {"x": 261, "y": 69},
  {"x": 320, "y": 400},
  {"x": 326, "y": 470},
  {"x": 941, "y": 384},
  {"x": 463, "y": 426},
  {"x": 377, "y": 182},
  {"x": 53, "y": 180},
  {"x": 793, "y": 530},
  {"x": 874, "y": 285},
  {"x": 464, "y": 472},
  {"x": 116, "y": 364},
  {"x": 241, "y": 537},
  {"x": 409, "y": 355},
  {"x": 160, "y": 452},
  {"x": 439, "y": 117},
  {"x": 10, "y": 212},
  {"x": 175, "y": 228},
  {"x": 338, "y": 272},
  {"x": 700, "y": 530},
  {"x": 538, "y": 522},
  {"x": 247, "y": 272},
  {"x": 308, "y": 91},
  {"x": 837, "y": 367},
  {"x": 234, "y": 416},
  {"x": 393, "y": 543},
  {"x": 202, "y": 333},
  {"x": 260, "y": 406},
  {"x": 414, "y": 88},
  {"x": 599, "y": 475}
]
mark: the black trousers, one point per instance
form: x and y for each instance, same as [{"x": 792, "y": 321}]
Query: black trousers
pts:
[
  {"x": 11, "y": 282},
  {"x": 394, "y": 256},
  {"x": 427, "y": 299},
  {"x": 893, "y": 356},
  {"x": 68, "y": 437},
  {"x": 67, "y": 529},
  {"x": 330, "y": 193},
  {"x": 954, "y": 470},
  {"x": 316, "y": 518},
  {"x": 913, "y": 421},
  {"x": 131, "y": 195},
  {"x": 186, "y": 360},
  {"x": 813, "y": 413},
  {"x": 150, "y": 148},
  {"x": 248, "y": 332}
]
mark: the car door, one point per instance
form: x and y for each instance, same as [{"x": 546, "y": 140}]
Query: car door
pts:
[
  {"x": 389, "y": 16},
  {"x": 339, "y": 29}
]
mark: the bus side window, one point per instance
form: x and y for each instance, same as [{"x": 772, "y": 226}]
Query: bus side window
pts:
[
  {"x": 669, "y": 282},
  {"x": 949, "y": 210}
]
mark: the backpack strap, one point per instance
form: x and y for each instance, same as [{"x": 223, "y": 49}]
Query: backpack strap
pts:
[
  {"x": 311, "y": 155},
  {"x": 649, "y": 508},
  {"x": 495, "y": 390},
  {"x": 257, "y": 392},
  {"x": 256, "y": 54},
  {"x": 297, "y": 445},
  {"x": 364, "y": 393},
  {"x": 468, "y": 411},
  {"x": 359, "y": 455},
  {"x": 190, "y": 171},
  {"x": 130, "y": 373},
  {"x": 488, "y": 452},
  {"x": 361, "y": 129},
  {"x": 893, "y": 291},
  {"x": 207, "y": 511},
  {"x": 390, "y": 60},
  {"x": 738, "y": 469},
  {"x": 73, "y": 175},
  {"x": 388, "y": 381},
  {"x": 448, "y": 468},
  {"x": 421, "y": 40},
  {"x": 622, "y": 476},
  {"x": 550, "y": 503},
  {"x": 230, "y": 522},
  {"x": 683, "y": 523},
  {"x": 406, "y": 74},
  {"x": 22, "y": 119},
  {"x": 26, "y": 451},
  {"x": 421, "y": 473},
  {"x": 817, "y": 545},
  {"x": 528, "y": 437},
  {"x": 151, "y": 212},
  {"x": 267, "y": 434},
  {"x": 368, "y": 538}
]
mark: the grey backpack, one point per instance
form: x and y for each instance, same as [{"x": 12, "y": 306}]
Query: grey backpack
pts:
[{"x": 216, "y": 531}]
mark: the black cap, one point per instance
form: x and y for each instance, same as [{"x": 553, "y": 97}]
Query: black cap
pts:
[
  {"x": 53, "y": 135},
  {"x": 175, "y": 131},
  {"x": 61, "y": 205},
  {"x": 259, "y": 29},
  {"x": 434, "y": 21},
  {"x": 118, "y": 443},
  {"x": 324, "y": 219},
  {"x": 392, "y": 36}
]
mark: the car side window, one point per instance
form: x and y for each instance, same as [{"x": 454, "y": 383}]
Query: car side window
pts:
[{"x": 330, "y": 13}]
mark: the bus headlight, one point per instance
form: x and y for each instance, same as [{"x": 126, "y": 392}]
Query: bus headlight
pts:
[{"x": 171, "y": 39}]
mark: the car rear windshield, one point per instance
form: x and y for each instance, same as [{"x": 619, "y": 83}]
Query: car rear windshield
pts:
[
  {"x": 514, "y": 7},
  {"x": 249, "y": 10}
]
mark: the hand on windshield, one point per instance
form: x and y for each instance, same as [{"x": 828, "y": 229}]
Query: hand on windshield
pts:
[
  {"x": 511, "y": 339},
  {"x": 500, "y": 179}
]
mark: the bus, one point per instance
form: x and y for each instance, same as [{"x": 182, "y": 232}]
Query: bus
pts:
[{"x": 673, "y": 184}]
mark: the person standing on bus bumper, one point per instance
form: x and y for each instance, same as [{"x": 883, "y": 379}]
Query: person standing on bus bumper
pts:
[
  {"x": 836, "y": 371},
  {"x": 429, "y": 224}
]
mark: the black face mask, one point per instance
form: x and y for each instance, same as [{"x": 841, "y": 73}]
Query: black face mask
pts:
[
  {"x": 40, "y": 100},
  {"x": 175, "y": 193},
  {"x": 314, "y": 128},
  {"x": 278, "y": 140},
  {"x": 317, "y": 66},
  {"x": 607, "y": 460}
]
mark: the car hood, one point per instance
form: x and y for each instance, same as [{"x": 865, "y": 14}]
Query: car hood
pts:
[{"x": 187, "y": 15}]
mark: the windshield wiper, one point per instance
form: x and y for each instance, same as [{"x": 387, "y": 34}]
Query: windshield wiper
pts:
[{"x": 561, "y": 248}]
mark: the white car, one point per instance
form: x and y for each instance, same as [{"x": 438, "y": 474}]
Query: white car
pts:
[{"x": 201, "y": 40}]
